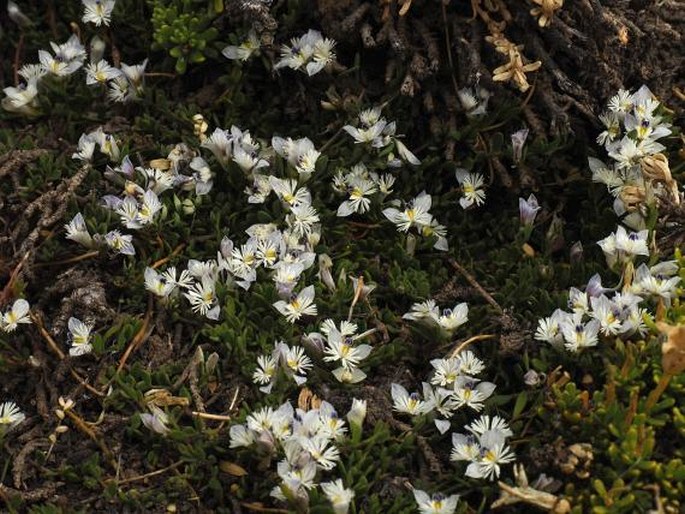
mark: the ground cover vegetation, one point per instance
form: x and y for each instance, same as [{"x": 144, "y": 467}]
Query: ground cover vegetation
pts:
[{"x": 353, "y": 256}]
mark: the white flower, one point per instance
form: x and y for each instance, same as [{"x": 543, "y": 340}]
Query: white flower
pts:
[
  {"x": 408, "y": 403},
  {"x": 357, "y": 412},
  {"x": 245, "y": 50},
  {"x": 405, "y": 153},
  {"x": 451, "y": 319},
  {"x": 608, "y": 315},
  {"x": 427, "y": 309},
  {"x": 80, "y": 337},
  {"x": 299, "y": 305},
  {"x": 579, "y": 335},
  {"x": 415, "y": 214},
  {"x": 471, "y": 184},
  {"x": 489, "y": 464},
  {"x": 446, "y": 371},
  {"x": 302, "y": 218},
  {"x": 149, "y": 208},
  {"x": 359, "y": 189},
  {"x": 632, "y": 244},
  {"x": 322, "y": 451},
  {"x": 469, "y": 364},
  {"x": 265, "y": 372},
  {"x": 240, "y": 436},
  {"x": 202, "y": 298},
  {"x": 68, "y": 57},
  {"x": 85, "y": 148},
  {"x": 10, "y": 415},
  {"x": 549, "y": 329},
  {"x": 160, "y": 284},
  {"x": 289, "y": 193},
  {"x": 656, "y": 281},
  {"x": 98, "y": 12},
  {"x": 340, "y": 348},
  {"x": 100, "y": 72},
  {"x": 435, "y": 504},
  {"x": 155, "y": 421},
  {"x": 471, "y": 393},
  {"x": 21, "y": 99},
  {"x": 528, "y": 210},
  {"x": 19, "y": 313},
  {"x": 295, "y": 360},
  {"x": 121, "y": 243},
  {"x": 338, "y": 495}
]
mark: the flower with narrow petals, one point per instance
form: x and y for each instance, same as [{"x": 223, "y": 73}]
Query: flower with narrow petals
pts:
[
  {"x": 472, "y": 188},
  {"x": 10, "y": 415},
  {"x": 300, "y": 304},
  {"x": 98, "y": 12},
  {"x": 338, "y": 495}
]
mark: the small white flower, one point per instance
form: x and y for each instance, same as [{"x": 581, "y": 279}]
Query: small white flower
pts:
[
  {"x": 301, "y": 304},
  {"x": 123, "y": 244},
  {"x": 472, "y": 188},
  {"x": 265, "y": 372},
  {"x": 357, "y": 412},
  {"x": 156, "y": 421},
  {"x": 245, "y": 50},
  {"x": 451, "y": 319},
  {"x": 202, "y": 298},
  {"x": 10, "y": 415},
  {"x": 98, "y": 12},
  {"x": 100, "y": 72},
  {"x": 408, "y": 403},
  {"x": 80, "y": 337},
  {"x": 19, "y": 313},
  {"x": 435, "y": 504},
  {"x": 160, "y": 284},
  {"x": 338, "y": 495},
  {"x": 359, "y": 190},
  {"x": 149, "y": 208},
  {"x": 415, "y": 214},
  {"x": 21, "y": 99},
  {"x": 341, "y": 348}
]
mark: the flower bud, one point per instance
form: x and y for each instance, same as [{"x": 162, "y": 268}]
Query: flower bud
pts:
[{"x": 357, "y": 412}]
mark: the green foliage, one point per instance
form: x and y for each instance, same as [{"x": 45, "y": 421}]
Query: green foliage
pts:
[{"x": 184, "y": 30}]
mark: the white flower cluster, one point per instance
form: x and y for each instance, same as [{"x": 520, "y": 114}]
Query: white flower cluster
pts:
[
  {"x": 307, "y": 440},
  {"x": 10, "y": 415},
  {"x": 448, "y": 320},
  {"x": 360, "y": 185},
  {"x": 633, "y": 125},
  {"x": 376, "y": 131},
  {"x": 16, "y": 315},
  {"x": 416, "y": 214},
  {"x": 292, "y": 360},
  {"x": 453, "y": 385},
  {"x": 137, "y": 206},
  {"x": 594, "y": 313},
  {"x": 124, "y": 83},
  {"x": 309, "y": 53},
  {"x": 484, "y": 447},
  {"x": 338, "y": 344}
]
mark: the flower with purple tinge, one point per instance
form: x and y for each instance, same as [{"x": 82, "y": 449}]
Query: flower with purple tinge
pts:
[
  {"x": 518, "y": 139},
  {"x": 156, "y": 421},
  {"x": 528, "y": 210},
  {"x": 123, "y": 244},
  {"x": 435, "y": 504},
  {"x": 408, "y": 403}
]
